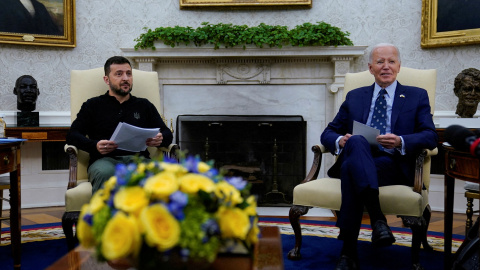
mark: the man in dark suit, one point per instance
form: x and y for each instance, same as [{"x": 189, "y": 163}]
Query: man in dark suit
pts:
[
  {"x": 26, "y": 17},
  {"x": 407, "y": 129}
]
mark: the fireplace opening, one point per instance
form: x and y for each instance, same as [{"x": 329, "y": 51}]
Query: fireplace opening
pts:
[{"x": 269, "y": 151}]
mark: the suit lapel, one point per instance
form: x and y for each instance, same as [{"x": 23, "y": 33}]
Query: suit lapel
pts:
[
  {"x": 398, "y": 102},
  {"x": 367, "y": 102}
]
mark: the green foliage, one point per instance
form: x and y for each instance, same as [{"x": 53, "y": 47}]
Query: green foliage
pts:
[{"x": 228, "y": 35}]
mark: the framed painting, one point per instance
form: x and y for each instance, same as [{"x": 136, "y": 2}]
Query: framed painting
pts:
[
  {"x": 450, "y": 23},
  {"x": 38, "y": 22},
  {"x": 245, "y": 4}
]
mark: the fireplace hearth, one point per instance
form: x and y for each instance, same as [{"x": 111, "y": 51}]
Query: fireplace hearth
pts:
[{"x": 267, "y": 151}]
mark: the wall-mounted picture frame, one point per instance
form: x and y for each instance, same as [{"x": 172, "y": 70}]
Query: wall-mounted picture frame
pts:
[
  {"x": 186, "y": 4},
  {"x": 450, "y": 23},
  {"x": 38, "y": 22}
]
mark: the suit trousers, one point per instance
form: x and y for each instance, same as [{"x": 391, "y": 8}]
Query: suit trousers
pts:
[{"x": 362, "y": 166}]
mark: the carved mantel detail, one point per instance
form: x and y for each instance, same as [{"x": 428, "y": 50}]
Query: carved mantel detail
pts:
[{"x": 253, "y": 71}]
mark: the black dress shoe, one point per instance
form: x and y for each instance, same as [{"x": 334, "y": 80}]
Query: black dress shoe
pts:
[
  {"x": 346, "y": 263},
  {"x": 382, "y": 236}
]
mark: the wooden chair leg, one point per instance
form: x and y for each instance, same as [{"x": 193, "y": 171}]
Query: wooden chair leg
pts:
[
  {"x": 419, "y": 227},
  {"x": 294, "y": 215},
  {"x": 68, "y": 220},
  {"x": 427, "y": 214},
  {"x": 417, "y": 235},
  {"x": 469, "y": 212}
]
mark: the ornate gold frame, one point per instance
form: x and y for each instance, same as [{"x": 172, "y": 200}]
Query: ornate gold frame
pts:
[
  {"x": 184, "y": 4},
  {"x": 65, "y": 40},
  {"x": 431, "y": 38}
]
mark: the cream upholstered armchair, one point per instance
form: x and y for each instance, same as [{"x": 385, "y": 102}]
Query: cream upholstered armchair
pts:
[
  {"x": 85, "y": 84},
  {"x": 409, "y": 203}
]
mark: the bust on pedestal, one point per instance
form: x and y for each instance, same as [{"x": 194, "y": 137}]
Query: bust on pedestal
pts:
[
  {"x": 27, "y": 92},
  {"x": 467, "y": 89}
]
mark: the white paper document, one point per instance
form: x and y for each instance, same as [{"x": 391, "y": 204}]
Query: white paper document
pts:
[
  {"x": 368, "y": 132},
  {"x": 132, "y": 138}
]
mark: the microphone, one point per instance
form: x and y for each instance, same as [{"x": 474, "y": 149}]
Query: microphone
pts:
[{"x": 463, "y": 139}]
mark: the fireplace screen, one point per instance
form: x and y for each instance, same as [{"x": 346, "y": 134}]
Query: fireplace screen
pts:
[{"x": 267, "y": 151}]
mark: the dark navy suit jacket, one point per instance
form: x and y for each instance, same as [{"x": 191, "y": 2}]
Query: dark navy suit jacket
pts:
[{"x": 411, "y": 118}]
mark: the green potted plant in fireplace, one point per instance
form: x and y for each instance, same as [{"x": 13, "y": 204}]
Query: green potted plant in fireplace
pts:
[{"x": 229, "y": 35}]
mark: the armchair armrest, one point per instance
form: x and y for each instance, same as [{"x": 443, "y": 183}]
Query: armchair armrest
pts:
[
  {"x": 318, "y": 150},
  {"x": 171, "y": 150},
  {"x": 72, "y": 152},
  {"x": 418, "y": 184}
]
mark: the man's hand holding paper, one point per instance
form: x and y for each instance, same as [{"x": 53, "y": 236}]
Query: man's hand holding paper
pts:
[
  {"x": 368, "y": 132},
  {"x": 155, "y": 141},
  {"x": 135, "y": 139}
]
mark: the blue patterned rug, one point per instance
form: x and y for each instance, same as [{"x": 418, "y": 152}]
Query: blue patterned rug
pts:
[
  {"x": 43, "y": 244},
  {"x": 321, "y": 249}
]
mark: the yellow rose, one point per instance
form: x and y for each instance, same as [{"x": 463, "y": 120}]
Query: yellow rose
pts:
[
  {"x": 174, "y": 168},
  {"x": 228, "y": 193},
  {"x": 251, "y": 210},
  {"x": 233, "y": 222},
  {"x": 131, "y": 199},
  {"x": 192, "y": 183},
  {"x": 162, "y": 230},
  {"x": 162, "y": 185},
  {"x": 121, "y": 237},
  {"x": 203, "y": 167},
  {"x": 97, "y": 201},
  {"x": 110, "y": 184},
  {"x": 141, "y": 168},
  {"x": 151, "y": 165},
  {"x": 252, "y": 236},
  {"x": 84, "y": 231}
]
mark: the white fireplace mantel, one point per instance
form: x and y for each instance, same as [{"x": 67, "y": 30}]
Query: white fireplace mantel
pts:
[{"x": 334, "y": 63}]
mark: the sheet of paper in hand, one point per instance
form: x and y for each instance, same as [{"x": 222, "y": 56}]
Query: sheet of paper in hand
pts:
[
  {"x": 132, "y": 138},
  {"x": 368, "y": 132}
]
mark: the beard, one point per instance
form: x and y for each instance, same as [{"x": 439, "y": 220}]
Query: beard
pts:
[{"x": 119, "y": 91}]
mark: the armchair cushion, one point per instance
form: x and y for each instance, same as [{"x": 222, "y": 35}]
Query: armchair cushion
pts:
[
  {"x": 326, "y": 193},
  {"x": 76, "y": 197}
]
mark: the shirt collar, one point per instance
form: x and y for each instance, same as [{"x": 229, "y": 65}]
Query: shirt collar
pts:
[{"x": 390, "y": 89}]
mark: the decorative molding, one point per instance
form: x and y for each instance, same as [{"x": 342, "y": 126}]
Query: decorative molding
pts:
[{"x": 251, "y": 71}]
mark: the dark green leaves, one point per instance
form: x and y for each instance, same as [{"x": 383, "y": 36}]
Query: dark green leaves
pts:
[{"x": 228, "y": 35}]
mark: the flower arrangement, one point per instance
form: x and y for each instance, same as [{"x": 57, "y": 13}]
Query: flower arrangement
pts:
[{"x": 152, "y": 211}]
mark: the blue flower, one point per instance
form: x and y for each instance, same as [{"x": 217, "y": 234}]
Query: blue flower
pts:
[
  {"x": 178, "y": 201},
  {"x": 88, "y": 218},
  {"x": 191, "y": 163},
  {"x": 236, "y": 181},
  {"x": 211, "y": 228}
]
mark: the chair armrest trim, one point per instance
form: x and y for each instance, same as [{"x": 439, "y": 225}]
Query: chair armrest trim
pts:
[
  {"x": 317, "y": 162},
  {"x": 72, "y": 152}
]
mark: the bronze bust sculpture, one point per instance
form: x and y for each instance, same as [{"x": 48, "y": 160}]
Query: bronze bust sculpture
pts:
[
  {"x": 27, "y": 92},
  {"x": 467, "y": 89}
]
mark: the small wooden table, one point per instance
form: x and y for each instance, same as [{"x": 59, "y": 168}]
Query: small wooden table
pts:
[
  {"x": 458, "y": 165},
  {"x": 267, "y": 255},
  {"x": 10, "y": 163}
]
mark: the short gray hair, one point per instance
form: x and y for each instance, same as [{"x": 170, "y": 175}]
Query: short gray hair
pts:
[{"x": 379, "y": 45}]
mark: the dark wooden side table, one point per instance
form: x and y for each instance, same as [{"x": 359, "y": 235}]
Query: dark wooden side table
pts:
[
  {"x": 44, "y": 133},
  {"x": 458, "y": 165},
  {"x": 10, "y": 163}
]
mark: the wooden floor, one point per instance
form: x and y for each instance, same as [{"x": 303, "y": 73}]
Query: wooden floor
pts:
[{"x": 54, "y": 214}]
